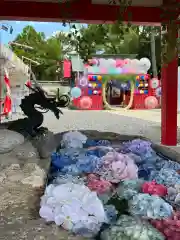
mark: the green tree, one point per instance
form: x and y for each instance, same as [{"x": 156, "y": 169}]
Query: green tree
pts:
[
  {"x": 109, "y": 38},
  {"x": 49, "y": 53},
  {"x": 117, "y": 38}
]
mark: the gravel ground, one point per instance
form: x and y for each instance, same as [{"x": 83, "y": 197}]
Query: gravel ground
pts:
[{"x": 102, "y": 121}]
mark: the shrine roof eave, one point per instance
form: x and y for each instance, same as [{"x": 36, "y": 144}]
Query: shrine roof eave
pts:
[{"x": 80, "y": 11}]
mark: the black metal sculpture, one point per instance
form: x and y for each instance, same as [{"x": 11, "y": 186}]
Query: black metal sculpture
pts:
[{"x": 30, "y": 126}]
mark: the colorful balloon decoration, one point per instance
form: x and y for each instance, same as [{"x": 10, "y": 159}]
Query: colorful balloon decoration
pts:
[
  {"x": 126, "y": 66},
  {"x": 99, "y": 78},
  {"x": 118, "y": 70},
  {"x": 85, "y": 102},
  {"x": 103, "y": 71},
  {"x": 76, "y": 92},
  {"x": 154, "y": 83},
  {"x": 127, "y": 61},
  {"x": 119, "y": 63},
  {"x": 151, "y": 102}
]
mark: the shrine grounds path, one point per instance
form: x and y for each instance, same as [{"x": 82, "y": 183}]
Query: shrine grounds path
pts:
[{"x": 145, "y": 123}]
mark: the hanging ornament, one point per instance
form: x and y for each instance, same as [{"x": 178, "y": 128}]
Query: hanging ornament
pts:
[
  {"x": 154, "y": 83},
  {"x": 7, "y": 105},
  {"x": 7, "y": 109}
]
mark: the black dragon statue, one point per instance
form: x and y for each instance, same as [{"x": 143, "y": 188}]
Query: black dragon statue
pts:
[{"x": 32, "y": 106}]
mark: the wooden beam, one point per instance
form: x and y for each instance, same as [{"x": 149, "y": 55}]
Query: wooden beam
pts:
[{"x": 80, "y": 10}]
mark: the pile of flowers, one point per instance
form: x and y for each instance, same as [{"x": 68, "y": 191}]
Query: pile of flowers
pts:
[{"x": 112, "y": 193}]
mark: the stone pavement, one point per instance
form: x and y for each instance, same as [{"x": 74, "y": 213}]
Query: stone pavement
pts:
[
  {"x": 145, "y": 123},
  {"x": 153, "y": 115}
]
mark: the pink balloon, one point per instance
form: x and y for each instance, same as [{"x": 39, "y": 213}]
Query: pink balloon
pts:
[
  {"x": 151, "y": 102},
  {"x": 119, "y": 63},
  {"x": 85, "y": 102}
]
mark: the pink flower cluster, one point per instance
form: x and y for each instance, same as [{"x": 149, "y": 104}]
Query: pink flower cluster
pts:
[
  {"x": 100, "y": 186},
  {"x": 154, "y": 189},
  {"x": 118, "y": 167},
  {"x": 170, "y": 227}
]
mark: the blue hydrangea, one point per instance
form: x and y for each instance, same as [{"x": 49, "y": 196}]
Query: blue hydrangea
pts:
[
  {"x": 162, "y": 163},
  {"x": 139, "y": 147},
  {"x": 129, "y": 188},
  {"x": 150, "y": 207},
  {"x": 166, "y": 176},
  {"x": 111, "y": 213}
]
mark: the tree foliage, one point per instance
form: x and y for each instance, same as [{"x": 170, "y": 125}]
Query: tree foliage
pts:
[
  {"x": 170, "y": 44},
  {"x": 49, "y": 53},
  {"x": 89, "y": 40},
  {"x": 117, "y": 39}
]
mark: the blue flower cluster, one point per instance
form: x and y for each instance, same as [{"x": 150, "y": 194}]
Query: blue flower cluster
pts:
[
  {"x": 151, "y": 207},
  {"x": 73, "y": 162},
  {"x": 111, "y": 213},
  {"x": 76, "y": 161},
  {"x": 139, "y": 147},
  {"x": 95, "y": 143},
  {"x": 166, "y": 176},
  {"x": 131, "y": 228},
  {"x": 129, "y": 188}
]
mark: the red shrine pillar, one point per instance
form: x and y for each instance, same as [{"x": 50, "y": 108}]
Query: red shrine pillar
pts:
[{"x": 169, "y": 93}]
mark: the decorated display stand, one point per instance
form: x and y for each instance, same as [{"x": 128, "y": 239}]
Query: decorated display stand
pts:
[{"x": 140, "y": 92}]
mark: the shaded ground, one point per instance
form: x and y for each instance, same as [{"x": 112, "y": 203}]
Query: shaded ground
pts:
[{"x": 22, "y": 184}]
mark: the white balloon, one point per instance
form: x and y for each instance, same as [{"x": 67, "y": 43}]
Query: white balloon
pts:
[
  {"x": 112, "y": 62},
  {"x": 135, "y": 63},
  {"x": 106, "y": 63},
  {"x": 102, "y": 62},
  {"x": 145, "y": 63},
  {"x": 128, "y": 61}
]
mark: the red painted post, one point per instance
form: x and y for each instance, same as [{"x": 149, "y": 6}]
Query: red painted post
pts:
[{"x": 169, "y": 103}]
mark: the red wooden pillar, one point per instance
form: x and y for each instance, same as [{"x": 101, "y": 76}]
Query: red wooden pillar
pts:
[{"x": 169, "y": 96}]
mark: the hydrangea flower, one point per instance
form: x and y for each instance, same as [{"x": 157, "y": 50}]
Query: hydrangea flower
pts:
[
  {"x": 166, "y": 176},
  {"x": 117, "y": 167},
  {"x": 130, "y": 228},
  {"x": 150, "y": 207},
  {"x": 73, "y": 207},
  {"x": 129, "y": 188}
]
